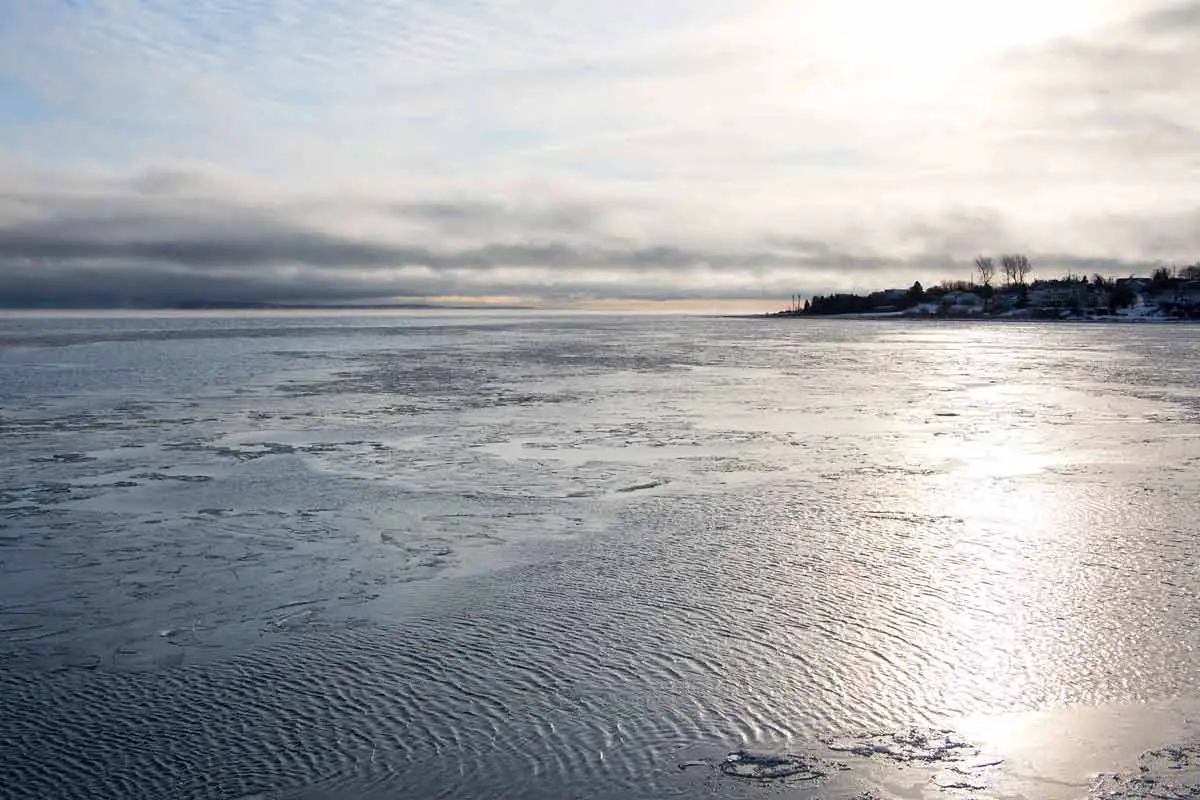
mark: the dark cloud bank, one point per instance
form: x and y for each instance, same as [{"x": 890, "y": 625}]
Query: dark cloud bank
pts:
[
  {"x": 114, "y": 250},
  {"x": 130, "y": 245}
]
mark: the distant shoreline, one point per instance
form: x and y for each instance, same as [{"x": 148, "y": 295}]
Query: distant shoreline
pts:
[
  {"x": 48, "y": 309},
  {"x": 892, "y": 317},
  {"x": 1167, "y": 295}
]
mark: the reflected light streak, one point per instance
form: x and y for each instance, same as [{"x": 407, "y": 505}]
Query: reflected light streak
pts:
[
  {"x": 1057, "y": 754},
  {"x": 1011, "y": 607}
]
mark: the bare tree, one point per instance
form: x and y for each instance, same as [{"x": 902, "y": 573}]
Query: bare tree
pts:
[
  {"x": 986, "y": 269},
  {"x": 1023, "y": 268},
  {"x": 1008, "y": 263},
  {"x": 1016, "y": 268}
]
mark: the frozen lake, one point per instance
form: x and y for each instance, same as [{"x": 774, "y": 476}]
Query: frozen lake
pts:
[{"x": 550, "y": 556}]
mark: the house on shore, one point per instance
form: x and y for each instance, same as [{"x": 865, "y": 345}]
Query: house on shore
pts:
[
  {"x": 962, "y": 303},
  {"x": 1183, "y": 298},
  {"x": 1068, "y": 294},
  {"x": 888, "y": 299}
]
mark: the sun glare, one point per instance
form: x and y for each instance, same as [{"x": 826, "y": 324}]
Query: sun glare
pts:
[{"x": 930, "y": 36}]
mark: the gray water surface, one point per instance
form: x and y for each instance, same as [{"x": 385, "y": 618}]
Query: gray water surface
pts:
[{"x": 555, "y": 556}]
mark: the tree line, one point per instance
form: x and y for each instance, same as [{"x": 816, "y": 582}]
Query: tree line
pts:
[{"x": 1015, "y": 267}]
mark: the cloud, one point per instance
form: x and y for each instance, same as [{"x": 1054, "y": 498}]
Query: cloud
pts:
[
  {"x": 170, "y": 236},
  {"x": 1180, "y": 19},
  {"x": 167, "y": 236},
  {"x": 1128, "y": 91},
  {"x": 298, "y": 150}
]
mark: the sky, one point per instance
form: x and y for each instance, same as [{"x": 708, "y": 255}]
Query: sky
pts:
[{"x": 569, "y": 151}]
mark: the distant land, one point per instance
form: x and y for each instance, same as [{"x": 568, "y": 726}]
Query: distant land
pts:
[
  {"x": 201, "y": 305},
  {"x": 1171, "y": 293},
  {"x": 249, "y": 305}
]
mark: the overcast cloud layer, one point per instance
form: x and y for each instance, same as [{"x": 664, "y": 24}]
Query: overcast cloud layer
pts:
[{"x": 301, "y": 150}]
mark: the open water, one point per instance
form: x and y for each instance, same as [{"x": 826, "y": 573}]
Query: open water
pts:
[{"x": 552, "y": 556}]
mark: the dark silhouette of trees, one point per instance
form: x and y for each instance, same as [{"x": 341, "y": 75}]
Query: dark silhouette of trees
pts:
[
  {"x": 1010, "y": 270},
  {"x": 1121, "y": 295},
  {"x": 986, "y": 269},
  {"x": 1074, "y": 291},
  {"x": 1162, "y": 279},
  {"x": 1022, "y": 295},
  {"x": 840, "y": 304},
  {"x": 1023, "y": 269},
  {"x": 916, "y": 293},
  {"x": 857, "y": 304},
  {"x": 1016, "y": 269}
]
